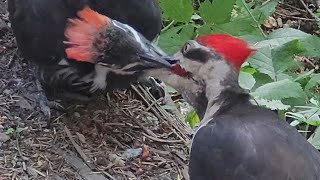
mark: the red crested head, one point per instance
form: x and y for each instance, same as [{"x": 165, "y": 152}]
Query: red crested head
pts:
[
  {"x": 83, "y": 34},
  {"x": 234, "y": 50}
]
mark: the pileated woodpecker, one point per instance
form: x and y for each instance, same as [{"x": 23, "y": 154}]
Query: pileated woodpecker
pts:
[
  {"x": 236, "y": 140},
  {"x": 80, "y": 51}
]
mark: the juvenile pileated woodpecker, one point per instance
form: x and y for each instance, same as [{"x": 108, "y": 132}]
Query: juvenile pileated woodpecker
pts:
[
  {"x": 80, "y": 51},
  {"x": 236, "y": 139}
]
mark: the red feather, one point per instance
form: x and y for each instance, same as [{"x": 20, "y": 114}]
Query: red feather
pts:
[
  {"x": 178, "y": 70},
  {"x": 234, "y": 50},
  {"x": 82, "y": 33}
]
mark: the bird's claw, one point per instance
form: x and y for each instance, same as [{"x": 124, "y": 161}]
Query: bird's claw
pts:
[{"x": 155, "y": 88}]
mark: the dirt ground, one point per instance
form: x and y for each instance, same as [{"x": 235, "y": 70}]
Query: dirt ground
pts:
[{"x": 123, "y": 135}]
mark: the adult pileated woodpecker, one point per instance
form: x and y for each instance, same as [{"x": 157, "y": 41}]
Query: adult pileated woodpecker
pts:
[
  {"x": 236, "y": 140},
  {"x": 52, "y": 33}
]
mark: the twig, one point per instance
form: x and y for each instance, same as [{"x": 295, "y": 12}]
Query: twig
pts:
[
  {"x": 162, "y": 114},
  {"x": 288, "y": 5},
  {"x": 309, "y": 11},
  {"x": 254, "y": 19},
  {"x": 84, "y": 171},
  {"x": 148, "y": 131},
  {"x": 294, "y": 17},
  {"x": 116, "y": 142},
  {"x": 78, "y": 148},
  {"x": 38, "y": 172},
  {"x": 109, "y": 175},
  {"x": 161, "y": 140}
]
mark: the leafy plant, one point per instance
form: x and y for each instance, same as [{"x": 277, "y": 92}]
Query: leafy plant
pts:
[
  {"x": 11, "y": 131},
  {"x": 273, "y": 75}
]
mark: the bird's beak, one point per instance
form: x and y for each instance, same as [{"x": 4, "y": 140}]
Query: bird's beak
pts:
[{"x": 149, "y": 53}]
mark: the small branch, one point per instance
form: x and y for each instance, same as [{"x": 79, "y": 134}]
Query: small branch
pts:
[
  {"x": 294, "y": 17},
  {"x": 78, "y": 148},
  {"x": 254, "y": 19},
  {"x": 161, "y": 140},
  {"x": 309, "y": 11},
  {"x": 84, "y": 171}
]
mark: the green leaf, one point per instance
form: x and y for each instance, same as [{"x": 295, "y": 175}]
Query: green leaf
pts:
[
  {"x": 236, "y": 28},
  {"x": 9, "y": 131},
  {"x": 279, "y": 90},
  {"x": 303, "y": 75},
  {"x": 261, "y": 79},
  {"x": 218, "y": 12},
  {"x": 314, "y": 139},
  {"x": 313, "y": 82},
  {"x": 283, "y": 56},
  {"x": 249, "y": 69},
  {"x": 178, "y": 10},
  {"x": 296, "y": 101},
  {"x": 313, "y": 120},
  {"x": 246, "y": 80},
  {"x": 259, "y": 10},
  {"x": 282, "y": 36},
  {"x": 274, "y": 62},
  {"x": 311, "y": 44},
  {"x": 262, "y": 61},
  {"x": 19, "y": 130},
  {"x": 272, "y": 104},
  {"x": 172, "y": 39},
  {"x": 192, "y": 118},
  {"x": 252, "y": 39},
  {"x": 267, "y": 9},
  {"x": 205, "y": 29}
]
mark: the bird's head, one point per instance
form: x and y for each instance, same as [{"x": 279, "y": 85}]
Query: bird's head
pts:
[
  {"x": 214, "y": 56},
  {"x": 97, "y": 39},
  {"x": 212, "y": 63}
]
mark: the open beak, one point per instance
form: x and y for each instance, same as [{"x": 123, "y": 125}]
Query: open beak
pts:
[{"x": 149, "y": 53}]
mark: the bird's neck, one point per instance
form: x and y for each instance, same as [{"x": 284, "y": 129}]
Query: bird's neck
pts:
[{"x": 223, "y": 93}]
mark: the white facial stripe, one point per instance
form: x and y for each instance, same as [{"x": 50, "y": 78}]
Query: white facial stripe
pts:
[
  {"x": 131, "y": 30},
  {"x": 115, "y": 24},
  {"x": 135, "y": 34}
]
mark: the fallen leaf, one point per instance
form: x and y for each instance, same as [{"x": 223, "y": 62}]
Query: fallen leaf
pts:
[
  {"x": 145, "y": 152},
  {"x": 4, "y": 137},
  {"x": 81, "y": 138}
]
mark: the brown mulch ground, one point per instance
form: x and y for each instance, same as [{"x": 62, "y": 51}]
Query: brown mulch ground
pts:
[{"x": 116, "y": 136}]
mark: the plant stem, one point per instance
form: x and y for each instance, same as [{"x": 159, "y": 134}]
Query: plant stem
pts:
[
  {"x": 254, "y": 19},
  {"x": 168, "y": 26}
]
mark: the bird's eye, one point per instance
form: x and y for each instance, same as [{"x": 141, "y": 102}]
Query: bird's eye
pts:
[{"x": 186, "y": 47}]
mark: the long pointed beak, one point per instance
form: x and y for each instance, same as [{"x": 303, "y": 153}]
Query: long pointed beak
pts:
[{"x": 149, "y": 53}]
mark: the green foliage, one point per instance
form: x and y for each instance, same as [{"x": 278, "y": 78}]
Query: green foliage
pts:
[
  {"x": 308, "y": 114},
  {"x": 192, "y": 118},
  {"x": 217, "y": 12},
  {"x": 11, "y": 131},
  {"x": 273, "y": 75},
  {"x": 279, "y": 90},
  {"x": 178, "y": 10},
  {"x": 314, "y": 139},
  {"x": 217, "y": 16}
]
